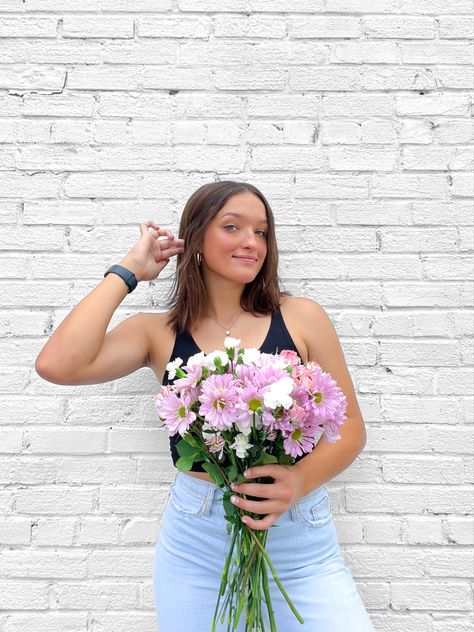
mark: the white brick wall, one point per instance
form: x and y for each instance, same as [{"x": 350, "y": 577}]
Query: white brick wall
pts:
[{"x": 353, "y": 117}]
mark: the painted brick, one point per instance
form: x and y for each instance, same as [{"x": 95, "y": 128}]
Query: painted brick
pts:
[{"x": 354, "y": 119}]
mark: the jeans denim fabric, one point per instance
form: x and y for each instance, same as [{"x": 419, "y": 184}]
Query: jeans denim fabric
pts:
[{"x": 193, "y": 543}]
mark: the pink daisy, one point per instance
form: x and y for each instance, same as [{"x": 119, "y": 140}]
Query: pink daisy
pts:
[
  {"x": 299, "y": 441},
  {"x": 174, "y": 411},
  {"x": 218, "y": 401},
  {"x": 324, "y": 395},
  {"x": 331, "y": 426},
  {"x": 194, "y": 374},
  {"x": 268, "y": 374},
  {"x": 250, "y": 398}
]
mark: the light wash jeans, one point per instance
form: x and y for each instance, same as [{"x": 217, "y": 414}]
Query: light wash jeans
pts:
[{"x": 192, "y": 546}]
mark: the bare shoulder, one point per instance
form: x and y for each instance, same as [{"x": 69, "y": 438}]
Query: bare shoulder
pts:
[
  {"x": 310, "y": 320},
  {"x": 293, "y": 310},
  {"x": 298, "y": 302},
  {"x": 161, "y": 341},
  {"x": 305, "y": 308}
]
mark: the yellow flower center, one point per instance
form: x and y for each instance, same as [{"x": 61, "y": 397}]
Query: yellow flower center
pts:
[
  {"x": 296, "y": 435},
  {"x": 219, "y": 402},
  {"x": 254, "y": 404}
]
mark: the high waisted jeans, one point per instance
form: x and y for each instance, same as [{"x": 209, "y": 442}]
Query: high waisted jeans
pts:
[{"x": 193, "y": 543}]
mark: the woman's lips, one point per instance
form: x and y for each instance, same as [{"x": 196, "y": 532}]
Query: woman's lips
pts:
[{"x": 249, "y": 259}]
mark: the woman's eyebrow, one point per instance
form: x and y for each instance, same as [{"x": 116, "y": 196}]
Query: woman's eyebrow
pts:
[{"x": 234, "y": 214}]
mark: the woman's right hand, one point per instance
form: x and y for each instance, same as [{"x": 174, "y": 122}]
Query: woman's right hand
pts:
[{"x": 150, "y": 255}]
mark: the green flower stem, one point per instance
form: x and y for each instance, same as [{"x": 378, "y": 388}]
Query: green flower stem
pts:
[
  {"x": 254, "y": 615},
  {"x": 236, "y": 579},
  {"x": 255, "y": 580},
  {"x": 227, "y": 563},
  {"x": 268, "y": 600},
  {"x": 208, "y": 457},
  {"x": 283, "y": 591},
  {"x": 258, "y": 582},
  {"x": 240, "y": 579},
  {"x": 248, "y": 568},
  {"x": 223, "y": 582}
]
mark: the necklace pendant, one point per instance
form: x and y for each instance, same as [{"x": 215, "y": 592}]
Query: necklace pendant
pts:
[{"x": 227, "y": 332}]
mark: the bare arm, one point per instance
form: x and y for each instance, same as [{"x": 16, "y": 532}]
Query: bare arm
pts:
[
  {"x": 80, "y": 351},
  {"x": 327, "y": 460}
]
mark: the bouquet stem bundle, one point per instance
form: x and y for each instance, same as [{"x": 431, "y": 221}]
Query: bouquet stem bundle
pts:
[
  {"x": 252, "y": 572},
  {"x": 249, "y": 577},
  {"x": 236, "y": 409}
]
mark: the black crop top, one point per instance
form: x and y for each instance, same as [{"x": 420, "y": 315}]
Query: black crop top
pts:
[{"x": 278, "y": 338}]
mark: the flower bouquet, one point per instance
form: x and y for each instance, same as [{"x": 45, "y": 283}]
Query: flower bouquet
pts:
[{"x": 239, "y": 408}]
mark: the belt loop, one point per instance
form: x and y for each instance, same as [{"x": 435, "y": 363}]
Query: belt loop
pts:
[
  {"x": 207, "y": 500},
  {"x": 295, "y": 512}
]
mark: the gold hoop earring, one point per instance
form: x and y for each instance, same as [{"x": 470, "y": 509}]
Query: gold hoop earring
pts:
[{"x": 199, "y": 258}]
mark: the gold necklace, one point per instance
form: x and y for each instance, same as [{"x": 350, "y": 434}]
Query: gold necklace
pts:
[{"x": 227, "y": 329}]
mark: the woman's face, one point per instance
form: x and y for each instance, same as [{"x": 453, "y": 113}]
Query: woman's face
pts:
[{"x": 235, "y": 242}]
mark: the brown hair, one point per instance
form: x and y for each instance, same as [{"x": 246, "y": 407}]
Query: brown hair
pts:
[{"x": 187, "y": 297}]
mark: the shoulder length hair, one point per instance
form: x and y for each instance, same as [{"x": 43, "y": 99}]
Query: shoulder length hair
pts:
[{"x": 188, "y": 294}]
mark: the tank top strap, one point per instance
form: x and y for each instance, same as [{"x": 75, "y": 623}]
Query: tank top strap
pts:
[
  {"x": 184, "y": 347},
  {"x": 278, "y": 337}
]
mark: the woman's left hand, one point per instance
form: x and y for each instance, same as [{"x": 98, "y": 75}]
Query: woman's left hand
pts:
[{"x": 279, "y": 496}]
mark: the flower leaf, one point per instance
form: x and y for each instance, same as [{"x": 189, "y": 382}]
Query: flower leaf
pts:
[
  {"x": 230, "y": 508},
  {"x": 232, "y": 473},
  {"x": 184, "y": 463},
  {"x": 215, "y": 473},
  {"x": 264, "y": 459},
  {"x": 186, "y": 449}
]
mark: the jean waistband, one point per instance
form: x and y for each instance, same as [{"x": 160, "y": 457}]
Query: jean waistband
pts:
[
  {"x": 209, "y": 491},
  {"x": 198, "y": 486}
]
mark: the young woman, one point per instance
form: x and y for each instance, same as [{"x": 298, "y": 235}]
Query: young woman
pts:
[{"x": 226, "y": 284}]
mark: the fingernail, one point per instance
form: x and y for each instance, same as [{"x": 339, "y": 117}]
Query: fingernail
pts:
[
  {"x": 233, "y": 499},
  {"x": 233, "y": 486}
]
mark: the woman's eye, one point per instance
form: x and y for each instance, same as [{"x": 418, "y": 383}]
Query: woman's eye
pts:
[{"x": 261, "y": 232}]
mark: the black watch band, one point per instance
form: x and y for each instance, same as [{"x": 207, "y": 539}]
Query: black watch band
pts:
[{"x": 127, "y": 275}]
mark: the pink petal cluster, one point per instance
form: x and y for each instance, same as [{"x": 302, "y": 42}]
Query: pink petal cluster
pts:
[
  {"x": 173, "y": 408},
  {"x": 233, "y": 398},
  {"x": 218, "y": 401},
  {"x": 214, "y": 441}
]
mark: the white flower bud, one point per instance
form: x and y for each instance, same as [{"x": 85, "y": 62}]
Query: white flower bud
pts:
[
  {"x": 172, "y": 366},
  {"x": 231, "y": 343}
]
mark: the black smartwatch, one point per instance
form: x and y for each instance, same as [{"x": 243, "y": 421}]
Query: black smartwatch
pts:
[{"x": 127, "y": 275}]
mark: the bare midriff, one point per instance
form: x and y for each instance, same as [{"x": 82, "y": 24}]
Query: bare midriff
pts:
[{"x": 204, "y": 475}]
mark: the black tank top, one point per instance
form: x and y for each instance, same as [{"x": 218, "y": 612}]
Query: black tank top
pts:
[{"x": 278, "y": 338}]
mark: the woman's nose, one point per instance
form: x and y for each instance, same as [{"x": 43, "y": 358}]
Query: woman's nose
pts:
[{"x": 249, "y": 239}]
